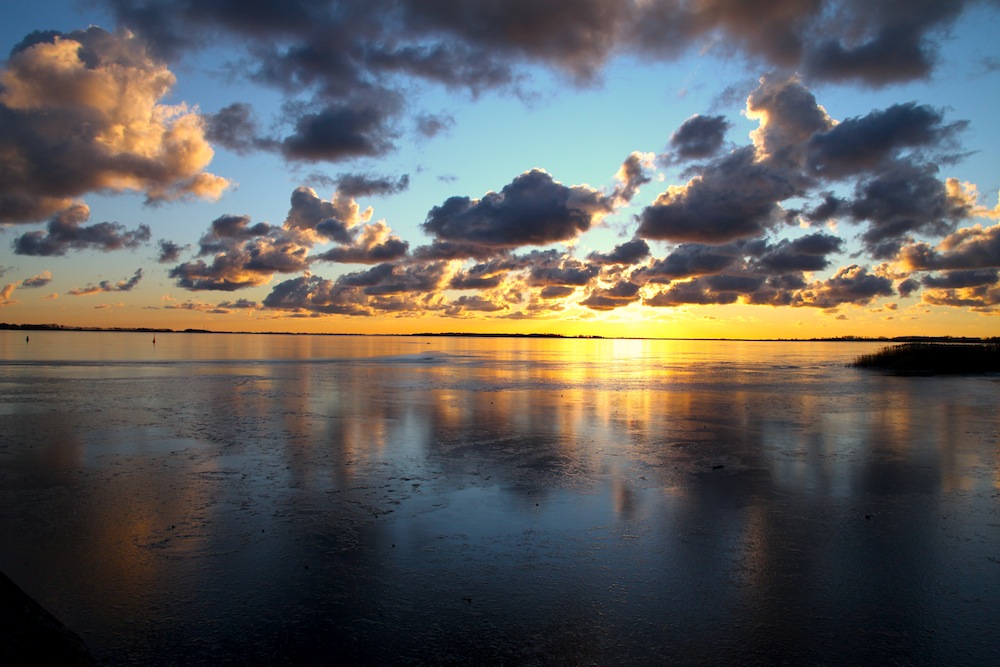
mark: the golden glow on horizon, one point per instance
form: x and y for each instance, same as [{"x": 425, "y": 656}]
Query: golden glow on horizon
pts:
[{"x": 729, "y": 321}]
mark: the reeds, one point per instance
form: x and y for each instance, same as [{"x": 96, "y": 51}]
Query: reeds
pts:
[{"x": 935, "y": 358}]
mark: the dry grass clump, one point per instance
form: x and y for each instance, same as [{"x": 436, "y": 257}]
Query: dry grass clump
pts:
[{"x": 935, "y": 358}]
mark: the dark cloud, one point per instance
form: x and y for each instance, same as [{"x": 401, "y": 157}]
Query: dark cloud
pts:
[
  {"x": 71, "y": 106},
  {"x": 851, "y": 284},
  {"x": 866, "y": 142},
  {"x": 366, "y": 185},
  {"x": 66, "y": 231},
  {"x": 739, "y": 195},
  {"x": 736, "y": 197},
  {"x": 689, "y": 260},
  {"x": 229, "y": 233},
  {"x": 246, "y": 254},
  {"x": 881, "y": 42},
  {"x": 448, "y": 250},
  {"x": 235, "y": 128},
  {"x": 962, "y": 279},
  {"x": 470, "y": 43},
  {"x": 383, "y": 288},
  {"x": 630, "y": 252},
  {"x": 41, "y": 280},
  {"x": 475, "y": 304},
  {"x": 556, "y": 292},
  {"x": 907, "y": 287},
  {"x": 533, "y": 209},
  {"x": 416, "y": 278},
  {"x": 350, "y": 62},
  {"x": 226, "y": 273},
  {"x": 906, "y": 199},
  {"x": 562, "y": 271},
  {"x": 170, "y": 252},
  {"x": 698, "y": 137},
  {"x": 317, "y": 295},
  {"x": 806, "y": 253},
  {"x": 616, "y": 296},
  {"x": 125, "y": 285},
  {"x": 486, "y": 275},
  {"x": 692, "y": 292},
  {"x": 342, "y": 131}
]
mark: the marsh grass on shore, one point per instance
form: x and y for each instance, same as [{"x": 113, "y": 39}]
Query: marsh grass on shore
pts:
[{"x": 934, "y": 358}]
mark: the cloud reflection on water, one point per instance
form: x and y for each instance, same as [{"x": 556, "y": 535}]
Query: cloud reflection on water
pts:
[{"x": 515, "y": 499}]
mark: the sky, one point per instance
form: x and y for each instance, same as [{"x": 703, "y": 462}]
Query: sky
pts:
[{"x": 681, "y": 168}]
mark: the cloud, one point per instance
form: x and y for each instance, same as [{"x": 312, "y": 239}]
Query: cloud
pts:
[
  {"x": 697, "y": 138},
  {"x": 366, "y": 185},
  {"x": 882, "y": 43},
  {"x": 788, "y": 117},
  {"x": 903, "y": 200},
  {"x": 736, "y": 197},
  {"x": 245, "y": 263},
  {"x": 373, "y": 244},
  {"x": 552, "y": 269},
  {"x": 431, "y": 125},
  {"x": 693, "y": 292},
  {"x": 317, "y": 295},
  {"x": 983, "y": 299},
  {"x": 798, "y": 150},
  {"x": 125, "y": 285},
  {"x": 222, "y": 308},
  {"x": 246, "y": 254},
  {"x": 81, "y": 113},
  {"x": 6, "y": 294},
  {"x": 169, "y": 252},
  {"x": 962, "y": 279},
  {"x": 235, "y": 128},
  {"x": 533, "y": 209},
  {"x": 630, "y": 252},
  {"x": 331, "y": 219},
  {"x": 66, "y": 231},
  {"x": 867, "y": 142},
  {"x": 689, "y": 260},
  {"x": 342, "y": 131},
  {"x": 616, "y": 296},
  {"x": 632, "y": 174},
  {"x": 851, "y": 284},
  {"x": 41, "y": 280},
  {"x": 477, "y": 44},
  {"x": 969, "y": 248},
  {"x": 806, "y": 253}
]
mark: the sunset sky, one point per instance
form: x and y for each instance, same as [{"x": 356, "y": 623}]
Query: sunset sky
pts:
[{"x": 700, "y": 168}]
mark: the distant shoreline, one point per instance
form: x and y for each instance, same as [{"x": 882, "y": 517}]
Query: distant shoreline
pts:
[{"x": 458, "y": 334}]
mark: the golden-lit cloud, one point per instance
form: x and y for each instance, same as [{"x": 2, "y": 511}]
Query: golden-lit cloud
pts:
[{"x": 84, "y": 114}]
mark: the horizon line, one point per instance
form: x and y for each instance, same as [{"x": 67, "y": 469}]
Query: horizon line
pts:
[{"x": 4, "y": 326}]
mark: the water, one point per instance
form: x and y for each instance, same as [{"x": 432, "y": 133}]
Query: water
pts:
[{"x": 313, "y": 499}]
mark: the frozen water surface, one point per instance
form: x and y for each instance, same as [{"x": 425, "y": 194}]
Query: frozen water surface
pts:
[{"x": 304, "y": 499}]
